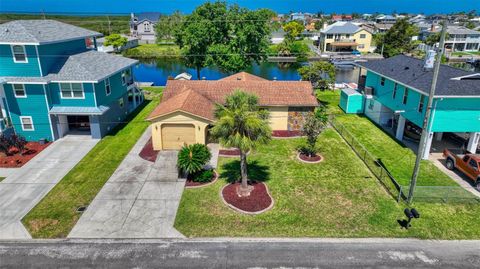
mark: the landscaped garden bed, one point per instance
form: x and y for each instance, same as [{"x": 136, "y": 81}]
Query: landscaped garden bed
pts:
[
  {"x": 258, "y": 201},
  {"x": 148, "y": 153},
  {"x": 13, "y": 157},
  {"x": 286, "y": 134},
  {"x": 230, "y": 152},
  {"x": 309, "y": 159},
  {"x": 210, "y": 177}
]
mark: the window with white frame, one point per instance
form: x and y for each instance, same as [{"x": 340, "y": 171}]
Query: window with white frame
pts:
[
  {"x": 421, "y": 103},
  {"x": 361, "y": 46},
  {"x": 395, "y": 87},
  {"x": 405, "y": 96},
  {"x": 19, "y": 91},
  {"x": 382, "y": 81},
  {"x": 108, "y": 89},
  {"x": 146, "y": 26},
  {"x": 363, "y": 36},
  {"x": 71, "y": 91},
  {"x": 19, "y": 54},
  {"x": 124, "y": 77},
  {"x": 27, "y": 123}
]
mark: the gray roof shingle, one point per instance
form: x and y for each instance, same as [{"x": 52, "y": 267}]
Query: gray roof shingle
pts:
[
  {"x": 341, "y": 28},
  {"x": 86, "y": 66},
  {"x": 410, "y": 71},
  {"x": 41, "y": 32}
]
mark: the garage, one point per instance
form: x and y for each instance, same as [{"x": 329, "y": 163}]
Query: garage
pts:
[{"x": 174, "y": 136}]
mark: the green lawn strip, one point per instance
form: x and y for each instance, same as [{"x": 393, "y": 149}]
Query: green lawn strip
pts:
[
  {"x": 153, "y": 91},
  {"x": 398, "y": 159},
  {"x": 153, "y": 51},
  {"x": 56, "y": 215},
  {"x": 335, "y": 198},
  {"x": 1, "y": 178}
]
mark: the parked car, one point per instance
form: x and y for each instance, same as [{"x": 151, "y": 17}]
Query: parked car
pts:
[{"x": 468, "y": 164}]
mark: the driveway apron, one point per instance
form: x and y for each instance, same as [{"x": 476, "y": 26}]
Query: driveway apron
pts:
[
  {"x": 22, "y": 190},
  {"x": 140, "y": 200}
]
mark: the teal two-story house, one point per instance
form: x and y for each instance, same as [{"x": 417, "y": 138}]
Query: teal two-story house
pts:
[
  {"x": 394, "y": 94},
  {"x": 53, "y": 82}
]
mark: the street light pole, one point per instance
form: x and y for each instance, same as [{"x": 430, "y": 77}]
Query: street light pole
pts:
[{"x": 426, "y": 119}]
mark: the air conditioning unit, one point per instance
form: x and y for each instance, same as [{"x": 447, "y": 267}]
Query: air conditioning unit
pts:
[{"x": 369, "y": 90}]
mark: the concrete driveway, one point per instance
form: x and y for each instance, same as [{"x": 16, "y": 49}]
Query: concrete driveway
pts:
[
  {"x": 24, "y": 188},
  {"x": 140, "y": 199}
]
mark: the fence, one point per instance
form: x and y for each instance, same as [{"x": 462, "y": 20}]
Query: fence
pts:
[
  {"x": 442, "y": 194},
  {"x": 373, "y": 163}
]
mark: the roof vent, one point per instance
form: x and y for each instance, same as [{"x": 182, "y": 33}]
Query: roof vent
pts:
[
  {"x": 6, "y": 30},
  {"x": 239, "y": 78}
]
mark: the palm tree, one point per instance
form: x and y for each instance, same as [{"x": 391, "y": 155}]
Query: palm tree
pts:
[{"x": 243, "y": 125}]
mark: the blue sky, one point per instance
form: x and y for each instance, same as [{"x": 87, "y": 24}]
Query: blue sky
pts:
[{"x": 281, "y": 6}]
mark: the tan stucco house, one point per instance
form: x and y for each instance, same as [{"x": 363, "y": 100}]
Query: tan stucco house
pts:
[
  {"x": 186, "y": 110},
  {"x": 345, "y": 36}
]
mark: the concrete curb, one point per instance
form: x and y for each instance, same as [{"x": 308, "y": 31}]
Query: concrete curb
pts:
[{"x": 246, "y": 212}]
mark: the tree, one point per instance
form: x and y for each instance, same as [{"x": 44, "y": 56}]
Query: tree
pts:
[
  {"x": 293, "y": 29},
  {"x": 192, "y": 158},
  {"x": 470, "y": 25},
  {"x": 312, "y": 128},
  {"x": 116, "y": 41},
  {"x": 398, "y": 39},
  {"x": 227, "y": 36},
  {"x": 321, "y": 74},
  {"x": 19, "y": 142},
  {"x": 243, "y": 125},
  {"x": 166, "y": 26},
  {"x": 434, "y": 38}
]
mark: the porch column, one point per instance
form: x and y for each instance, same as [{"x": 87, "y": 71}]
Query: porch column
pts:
[
  {"x": 438, "y": 136},
  {"x": 428, "y": 145},
  {"x": 400, "y": 128},
  {"x": 473, "y": 142}
]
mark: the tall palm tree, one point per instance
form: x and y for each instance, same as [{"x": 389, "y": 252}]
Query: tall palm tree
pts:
[{"x": 243, "y": 125}]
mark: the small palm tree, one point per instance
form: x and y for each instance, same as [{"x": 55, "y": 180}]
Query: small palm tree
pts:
[
  {"x": 192, "y": 158},
  {"x": 243, "y": 125}
]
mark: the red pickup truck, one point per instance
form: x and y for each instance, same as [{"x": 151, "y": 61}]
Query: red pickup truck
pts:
[{"x": 468, "y": 164}]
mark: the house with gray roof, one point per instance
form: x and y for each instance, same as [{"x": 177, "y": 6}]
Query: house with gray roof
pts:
[
  {"x": 54, "y": 82},
  {"x": 396, "y": 91},
  {"x": 460, "y": 38},
  {"x": 142, "y": 26},
  {"x": 345, "y": 36}
]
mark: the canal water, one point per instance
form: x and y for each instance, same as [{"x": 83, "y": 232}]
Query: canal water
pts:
[{"x": 158, "y": 71}]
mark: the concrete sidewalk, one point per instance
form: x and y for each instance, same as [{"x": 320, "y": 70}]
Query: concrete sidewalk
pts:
[
  {"x": 140, "y": 199},
  {"x": 24, "y": 188}
]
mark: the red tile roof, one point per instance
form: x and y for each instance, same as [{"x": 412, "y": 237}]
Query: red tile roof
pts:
[{"x": 198, "y": 97}]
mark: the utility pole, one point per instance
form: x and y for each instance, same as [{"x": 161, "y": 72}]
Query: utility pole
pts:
[
  {"x": 109, "y": 28},
  {"x": 426, "y": 119}
]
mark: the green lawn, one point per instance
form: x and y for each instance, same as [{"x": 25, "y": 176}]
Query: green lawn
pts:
[
  {"x": 398, "y": 159},
  {"x": 336, "y": 198},
  {"x": 1, "y": 178},
  {"x": 56, "y": 215},
  {"x": 465, "y": 53},
  {"x": 153, "y": 51}
]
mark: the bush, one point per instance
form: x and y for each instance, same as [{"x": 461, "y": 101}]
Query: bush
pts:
[
  {"x": 192, "y": 158},
  {"x": 307, "y": 150},
  {"x": 5, "y": 144},
  {"x": 203, "y": 176},
  {"x": 19, "y": 142}
]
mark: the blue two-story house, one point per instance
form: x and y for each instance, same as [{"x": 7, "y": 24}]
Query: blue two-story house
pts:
[
  {"x": 54, "y": 82},
  {"x": 394, "y": 94}
]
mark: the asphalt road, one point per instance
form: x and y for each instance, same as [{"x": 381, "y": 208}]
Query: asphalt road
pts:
[{"x": 241, "y": 253}]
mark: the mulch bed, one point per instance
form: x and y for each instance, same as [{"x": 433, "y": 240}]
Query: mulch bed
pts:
[
  {"x": 284, "y": 133},
  {"x": 189, "y": 184},
  {"x": 229, "y": 152},
  {"x": 17, "y": 160},
  {"x": 258, "y": 201},
  {"x": 308, "y": 159},
  {"x": 148, "y": 153}
]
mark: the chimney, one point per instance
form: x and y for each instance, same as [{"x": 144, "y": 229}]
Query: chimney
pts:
[{"x": 131, "y": 15}]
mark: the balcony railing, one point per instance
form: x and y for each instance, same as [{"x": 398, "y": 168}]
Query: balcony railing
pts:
[{"x": 344, "y": 40}]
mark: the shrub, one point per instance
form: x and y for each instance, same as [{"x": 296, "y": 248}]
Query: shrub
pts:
[
  {"x": 18, "y": 142},
  {"x": 312, "y": 128},
  {"x": 5, "y": 144},
  {"x": 192, "y": 158},
  {"x": 202, "y": 176}
]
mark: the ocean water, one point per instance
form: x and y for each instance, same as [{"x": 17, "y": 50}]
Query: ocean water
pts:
[{"x": 281, "y": 6}]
